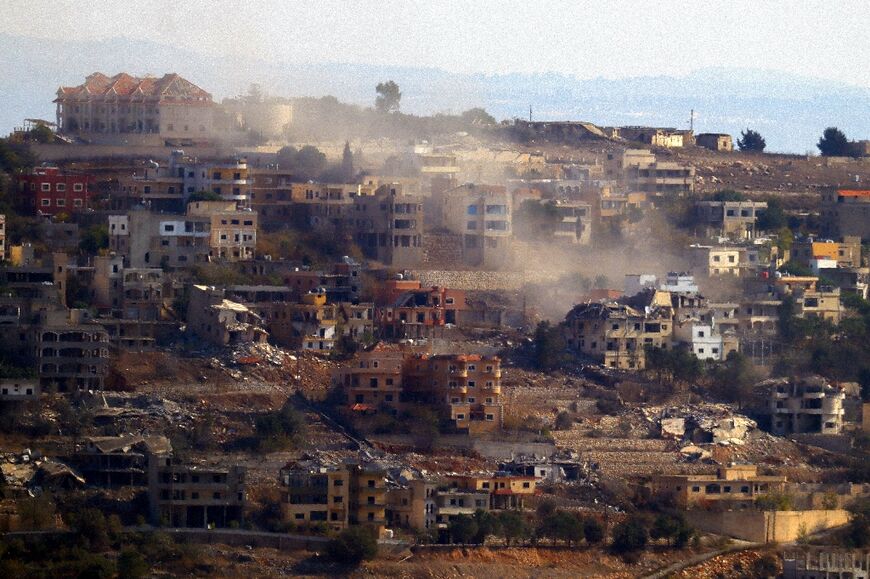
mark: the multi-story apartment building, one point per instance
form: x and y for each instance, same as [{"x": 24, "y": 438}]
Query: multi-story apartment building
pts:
[
  {"x": 482, "y": 215},
  {"x": 413, "y": 504},
  {"x": 408, "y": 310},
  {"x": 730, "y": 218},
  {"x": 639, "y": 170},
  {"x": 846, "y": 212},
  {"x": 334, "y": 495},
  {"x": 52, "y": 191},
  {"x": 467, "y": 388},
  {"x": 575, "y": 222},
  {"x": 272, "y": 196},
  {"x": 169, "y": 187},
  {"x": 211, "y": 230},
  {"x": 220, "y": 321},
  {"x": 374, "y": 382},
  {"x": 618, "y": 334},
  {"x": 714, "y": 261},
  {"x": 2, "y": 237},
  {"x": 388, "y": 226},
  {"x": 467, "y": 385},
  {"x": 72, "y": 351},
  {"x": 826, "y": 563},
  {"x": 183, "y": 495},
  {"x": 810, "y": 405},
  {"x": 170, "y": 107}
]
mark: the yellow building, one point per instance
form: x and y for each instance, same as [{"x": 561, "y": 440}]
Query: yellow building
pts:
[
  {"x": 619, "y": 334},
  {"x": 334, "y": 495},
  {"x": 736, "y": 485}
]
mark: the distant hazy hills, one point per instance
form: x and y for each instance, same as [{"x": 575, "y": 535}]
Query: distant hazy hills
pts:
[{"x": 790, "y": 111}]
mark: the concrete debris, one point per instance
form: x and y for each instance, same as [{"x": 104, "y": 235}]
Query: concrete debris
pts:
[{"x": 702, "y": 424}]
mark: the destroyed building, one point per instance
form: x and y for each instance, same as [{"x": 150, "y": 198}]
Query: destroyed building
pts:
[
  {"x": 219, "y": 321},
  {"x": 618, "y": 334},
  {"x": 114, "y": 461},
  {"x": 185, "y": 495},
  {"x": 809, "y": 405}
]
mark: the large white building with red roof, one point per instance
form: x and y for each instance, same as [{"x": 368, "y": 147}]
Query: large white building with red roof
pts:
[{"x": 168, "y": 107}]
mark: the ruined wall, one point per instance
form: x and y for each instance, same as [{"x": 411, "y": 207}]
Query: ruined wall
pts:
[{"x": 767, "y": 527}]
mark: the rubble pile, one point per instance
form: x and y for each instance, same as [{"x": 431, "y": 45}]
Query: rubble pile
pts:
[{"x": 701, "y": 424}]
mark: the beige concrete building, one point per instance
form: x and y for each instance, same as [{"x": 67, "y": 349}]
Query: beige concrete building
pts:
[
  {"x": 168, "y": 107},
  {"x": 735, "y": 486},
  {"x": 336, "y": 496},
  {"x": 388, "y": 226},
  {"x": 182, "y": 495},
  {"x": 482, "y": 215},
  {"x": 730, "y": 218},
  {"x": 715, "y": 142},
  {"x": 617, "y": 335},
  {"x": 219, "y": 321},
  {"x": 639, "y": 170},
  {"x": 805, "y": 406},
  {"x": 846, "y": 212}
]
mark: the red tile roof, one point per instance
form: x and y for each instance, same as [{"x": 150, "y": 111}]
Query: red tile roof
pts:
[{"x": 123, "y": 86}]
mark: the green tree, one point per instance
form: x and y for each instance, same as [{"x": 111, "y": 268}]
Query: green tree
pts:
[
  {"x": 593, "y": 530},
  {"x": 630, "y": 535},
  {"x": 132, "y": 565},
  {"x": 347, "y": 171},
  {"x": 279, "y": 430},
  {"x": 203, "y": 196},
  {"x": 513, "y": 526},
  {"x": 728, "y": 195},
  {"x": 92, "y": 528},
  {"x": 463, "y": 529},
  {"x": 734, "y": 379},
  {"x": 306, "y": 163},
  {"x": 833, "y": 143},
  {"x": 95, "y": 238},
  {"x": 37, "y": 513},
  {"x": 751, "y": 141},
  {"x": 773, "y": 218},
  {"x": 477, "y": 117},
  {"x": 353, "y": 546},
  {"x": 487, "y": 524},
  {"x": 389, "y": 97},
  {"x": 564, "y": 421}
]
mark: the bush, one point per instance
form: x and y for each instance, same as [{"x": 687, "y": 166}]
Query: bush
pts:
[
  {"x": 564, "y": 421},
  {"x": 353, "y": 546},
  {"x": 463, "y": 529},
  {"x": 132, "y": 565},
  {"x": 593, "y": 531},
  {"x": 630, "y": 536}
]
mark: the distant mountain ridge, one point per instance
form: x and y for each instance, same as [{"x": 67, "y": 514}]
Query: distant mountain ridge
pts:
[{"x": 790, "y": 111}]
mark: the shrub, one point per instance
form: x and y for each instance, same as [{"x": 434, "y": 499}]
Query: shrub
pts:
[
  {"x": 593, "y": 531},
  {"x": 132, "y": 565},
  {"x": 353, "y": 546},
  {"x": 630, "y": 536}
]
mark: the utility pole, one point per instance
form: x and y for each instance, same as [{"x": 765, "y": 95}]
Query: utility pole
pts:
[{"x": 530, "y": 113}]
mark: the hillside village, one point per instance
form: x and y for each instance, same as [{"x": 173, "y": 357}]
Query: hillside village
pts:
[{"x": 589, "y": 350}]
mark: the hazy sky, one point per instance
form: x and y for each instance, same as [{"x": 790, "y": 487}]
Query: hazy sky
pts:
[{"x": 826, "y": 39}]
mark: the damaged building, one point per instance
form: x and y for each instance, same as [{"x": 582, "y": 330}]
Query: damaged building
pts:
[
  {"x": 809, "y": 405},
  {"x": 618, "y": 334}
]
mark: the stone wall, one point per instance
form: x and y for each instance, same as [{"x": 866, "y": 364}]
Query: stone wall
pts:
[{"x": 767, "y": 526}]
